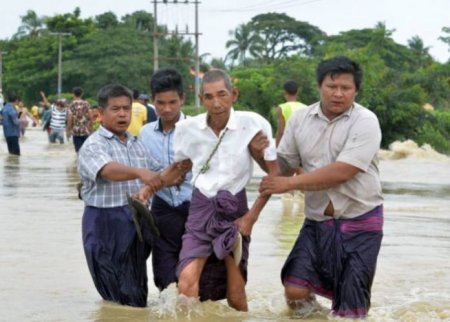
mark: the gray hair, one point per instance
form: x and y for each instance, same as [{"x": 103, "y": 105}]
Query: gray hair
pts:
[{"x": 215, "y": 75}]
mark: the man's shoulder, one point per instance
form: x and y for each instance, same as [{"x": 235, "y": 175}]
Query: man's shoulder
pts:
[
  {"x": 138, "y": 105},
  {"x": 149, "y": 128},
  {"x": 250, "y": 116},
  {"x": 362, "y": 111},
  {"x": 191, "y": 120}
]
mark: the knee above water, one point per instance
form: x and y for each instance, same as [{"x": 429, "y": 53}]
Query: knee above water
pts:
[{"x": 296, "y": 293}]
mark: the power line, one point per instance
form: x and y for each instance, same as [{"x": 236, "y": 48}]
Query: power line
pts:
[
  {"x": 264, "y": 6},
  {"x": 196, "y": 34}
]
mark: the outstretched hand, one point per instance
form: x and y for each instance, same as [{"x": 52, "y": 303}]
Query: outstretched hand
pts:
[{"x": 174, "y": 174}]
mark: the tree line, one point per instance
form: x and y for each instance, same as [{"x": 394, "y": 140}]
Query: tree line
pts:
[{"x": 261, "y": 55}]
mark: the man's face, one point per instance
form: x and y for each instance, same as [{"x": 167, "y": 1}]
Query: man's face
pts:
[
  {"x": 217, "y": 99},
  {"x": 168, "y": 105},
  {"x": 95, "y": 114},
  {"x": 337, "y": 94},
  {"x": 116, "y": 116}
]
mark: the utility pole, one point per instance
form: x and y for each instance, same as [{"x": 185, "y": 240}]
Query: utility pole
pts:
[
  {"x": 156, "y": 34},
  {"x": 155, "y": 38},
  {"x": 197, "y": 60},
  {"x": 60, "y": 35}
]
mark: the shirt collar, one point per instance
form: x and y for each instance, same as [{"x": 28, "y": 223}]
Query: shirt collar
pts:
[
  {"x": 158, "y": 126},
  {"x": 231, "y": 125},
  {"x": 103, "y": 131},
  {"x": 318, "y": 111}
]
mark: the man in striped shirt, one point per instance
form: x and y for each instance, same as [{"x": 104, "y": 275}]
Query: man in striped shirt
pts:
[
  {"x": 113, "y": 163},
  {"x": 58, "y": 121}
]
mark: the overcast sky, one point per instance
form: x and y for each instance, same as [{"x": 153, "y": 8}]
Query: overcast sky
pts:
[{"x": 217, "y": 17}]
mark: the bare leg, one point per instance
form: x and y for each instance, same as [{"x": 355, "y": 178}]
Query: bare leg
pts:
[
  {"x": 236, "y": 296},
  {"x": 188, "y": 282}
]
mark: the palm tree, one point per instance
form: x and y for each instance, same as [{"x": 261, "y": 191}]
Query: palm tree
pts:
[
  {"x": 421, "y": 53},
  {"x": 32, "y": 25},
  {"x": 245, "y": 41}
]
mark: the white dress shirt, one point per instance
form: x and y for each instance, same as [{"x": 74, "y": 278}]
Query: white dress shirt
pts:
[{"x": 231, "y": 166}]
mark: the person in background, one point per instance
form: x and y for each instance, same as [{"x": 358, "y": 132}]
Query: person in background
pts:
[
  {"x": 24, "y": 115},
  {"x": 46, "y": 114},
  {"x": 79, "y": 124},
  {"x": 113, "y": 164},
  {"x": 2, "y": 101},
  {"x": 336, "y": 141},
  {"x": 58, "y": 120},
  {"x": 151, "y": 114},
  {"x": 285, "y": 110},
  {"x": 11, "y": 128},
  {"x": 138, "y": 116},
  {"x": 35, "y": 115},
  {"x": 95, "y": 117}
]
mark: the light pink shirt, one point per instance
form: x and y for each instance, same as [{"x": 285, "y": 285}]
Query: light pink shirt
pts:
[{"x": 312, "y": 141}]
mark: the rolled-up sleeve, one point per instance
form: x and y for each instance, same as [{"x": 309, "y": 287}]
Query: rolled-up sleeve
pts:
[
  {"x": 362, "y": 144},
  {"x": 91, "y": 160}
]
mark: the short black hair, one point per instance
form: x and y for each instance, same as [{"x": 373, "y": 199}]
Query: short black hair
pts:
[
  {"x": 167, "y": 79},
  {"x": 337, "y": 66},
  {"x": 291, "y": 87},
  {"x": 135, "y": 94},
  {"x": 111, "y": 91},
  {"x": 77, "y": 91},
  {"x": 12, "y": 97}
]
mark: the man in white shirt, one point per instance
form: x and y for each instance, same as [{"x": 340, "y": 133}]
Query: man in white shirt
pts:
[{"x": 220, "y": 144}]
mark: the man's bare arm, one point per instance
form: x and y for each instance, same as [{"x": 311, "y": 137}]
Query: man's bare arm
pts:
[{"x": 321, "y": 179}]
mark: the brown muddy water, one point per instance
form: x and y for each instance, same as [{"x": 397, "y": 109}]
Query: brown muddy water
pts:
[{"x": 44, "y": 277}]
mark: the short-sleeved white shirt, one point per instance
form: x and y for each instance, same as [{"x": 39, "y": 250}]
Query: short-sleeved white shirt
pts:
[
  {"x": 312, "y": 141},
  {"x": 231, "y": 167}
]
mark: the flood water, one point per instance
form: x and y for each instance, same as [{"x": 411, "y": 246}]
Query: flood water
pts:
[{"x": 44, "y": 276}]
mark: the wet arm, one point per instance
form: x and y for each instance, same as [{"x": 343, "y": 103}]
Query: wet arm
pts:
[
  {"x": 320, "y": 179},
  {"x": 246, "y": 222},
  {"x": 115, "y": 171},
  {"x": 280, "y": 126}
]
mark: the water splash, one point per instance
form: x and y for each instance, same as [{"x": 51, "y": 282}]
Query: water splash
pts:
[{"x": 410, "y": 149}]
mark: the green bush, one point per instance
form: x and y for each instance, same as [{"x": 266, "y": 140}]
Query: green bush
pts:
[{"x": 436, "y": 132}]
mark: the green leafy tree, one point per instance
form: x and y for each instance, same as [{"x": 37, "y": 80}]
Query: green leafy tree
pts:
[
  {"x": 446, "y": 38},
  {"x": 116, "y": 55},
  {"x": 71, "y": 23},
  {"x": 284, "y": 36},
  {"x": 139, "y": 20},
  {"x": 420, "y": 53},
  {"x": 106, "y": 20}
]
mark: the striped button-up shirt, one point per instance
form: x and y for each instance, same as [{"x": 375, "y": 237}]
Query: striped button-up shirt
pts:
[
  {"x": 160, "y": 147},
  {"x": 103, "y": 147}
]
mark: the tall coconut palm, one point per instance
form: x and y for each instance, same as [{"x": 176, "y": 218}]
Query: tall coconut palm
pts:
[
  {"x": 246, "y": 42},
  {"x": 32, "y": 25},
  {"x": 421, "y": 53}
]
